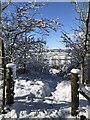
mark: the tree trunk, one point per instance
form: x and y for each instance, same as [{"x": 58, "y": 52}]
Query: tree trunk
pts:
[
  {"x": 2, "y": 68},
  {"x": 82, "y": 71},
  {"x": 88, "y": 54},
  {"x": 1, "y": 65}
]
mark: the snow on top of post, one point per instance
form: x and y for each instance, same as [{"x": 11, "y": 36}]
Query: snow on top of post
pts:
[
  {"x": 76, "y": 71},
  {"x": 11, "y": 65}
]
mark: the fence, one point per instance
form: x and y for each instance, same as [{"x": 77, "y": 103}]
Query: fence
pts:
[{"x": 77, "y": 88}]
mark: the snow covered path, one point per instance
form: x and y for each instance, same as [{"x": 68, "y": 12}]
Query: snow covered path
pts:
[{"x": 39, "y": 99}]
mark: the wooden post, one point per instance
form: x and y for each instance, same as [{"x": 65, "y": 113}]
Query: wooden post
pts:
[
  {"x": 74, "y": 92},
  {"x": 9, "y": 87}
]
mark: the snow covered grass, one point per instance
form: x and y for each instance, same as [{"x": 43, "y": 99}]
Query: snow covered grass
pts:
[{"x": 43, "y": 98}]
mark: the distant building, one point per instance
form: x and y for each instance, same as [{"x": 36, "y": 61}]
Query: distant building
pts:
[
  {"x": 53, "y": 56},
  {"x": 57, "y": 57}
]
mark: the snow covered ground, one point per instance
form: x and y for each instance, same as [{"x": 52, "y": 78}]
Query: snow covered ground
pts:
[{"x": 48, "y": 98}]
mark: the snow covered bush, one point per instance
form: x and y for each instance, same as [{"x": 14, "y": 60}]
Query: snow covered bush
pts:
[
  {"x": 34, "y": 88},
  {"x": 61, "y": 94},
  {"x": 40, "y": 89}
]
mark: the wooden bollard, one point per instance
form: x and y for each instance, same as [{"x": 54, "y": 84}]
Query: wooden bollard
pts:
[
  {"x": 9, "y": 88},
  {"x": 74, "y": 92}
]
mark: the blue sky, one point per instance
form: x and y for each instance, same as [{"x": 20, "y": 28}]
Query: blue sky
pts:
[{"x": 64, "y": 11}]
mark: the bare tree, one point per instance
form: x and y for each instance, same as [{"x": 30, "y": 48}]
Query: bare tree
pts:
[
  {"x": 79, "y": 42},
  {"x": 6, "y": 5},
  {"x": 20, "y": 28}
]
